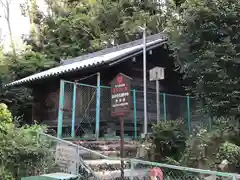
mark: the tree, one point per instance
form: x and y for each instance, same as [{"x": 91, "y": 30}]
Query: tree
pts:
[
  {"x": 29, "y": 8},
  {"x": 6, "y": 8},
  {"x": 19, "y": 99},
  {"x": 74, "y": 28},
  {"x": 205, "y": 39}
]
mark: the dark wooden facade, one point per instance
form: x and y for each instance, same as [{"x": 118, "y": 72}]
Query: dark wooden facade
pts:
[{"x": 46, "y": 93}]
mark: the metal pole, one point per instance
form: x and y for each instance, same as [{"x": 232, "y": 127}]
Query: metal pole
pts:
[
  {"x": 158, "y": 101},
  {"x": 188, "y": 114},
  {"x": 98, "y": 97},
  {"x": 74, "y": 109},
  {"x": 122, "y": 146},
  {"x": 135, "y": 113},
  {"x": 60, "y": 109},
  {"x": 164, "y": 107},
  {"x": 145, "y": 81}
]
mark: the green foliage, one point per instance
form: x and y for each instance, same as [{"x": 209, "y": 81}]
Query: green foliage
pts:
[
  {"x": 230, "y": 152},
  {"x": 200, "y": 149},
  {"x": 205, "y": 149},
  {"x": 229, "y": 129},
  {"x": 21, "y": 152},
  {"x": 5, "y": 174},
  {"x": 30, "y": 62},
  {"x": 5, "y": 114},
  {"x": 79, "y": 27},
  {"x": 169, "y": 139},
  {"x": 205, "y": 37}
]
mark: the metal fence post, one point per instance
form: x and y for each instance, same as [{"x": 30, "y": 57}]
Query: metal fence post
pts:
[
  {"x": 210, "y": 123},
  {"x": 60, "y": 109},
  {"x": 98, "y": 97},
  {"x": 164, "y": 107},
  {"x": 135, "y": 113},
  {"x": 188, "y": 114},
  {"x": 74, "y": 109},
  {"x": 132, "y": 170}
]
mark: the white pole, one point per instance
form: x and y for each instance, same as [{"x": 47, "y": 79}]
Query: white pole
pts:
[
  {"x": 158, "y": 101},
  {"x": 145, "y": 81}
]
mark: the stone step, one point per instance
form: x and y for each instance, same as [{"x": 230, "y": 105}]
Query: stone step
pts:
[
  {"x": 110, "y": 153},
  {"x": 86, "y": 155},
  {"x": 103, "y": 142},
  {"x": 108, "y": 149},
  {"x": 111, "y": 147},
  {"x": 104, "y": 164}
]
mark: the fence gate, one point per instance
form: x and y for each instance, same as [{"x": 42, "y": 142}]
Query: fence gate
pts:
[{"x": 77, "y": 110}]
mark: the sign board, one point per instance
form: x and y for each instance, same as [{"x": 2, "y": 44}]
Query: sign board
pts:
[
  {"x": 67, "y": 158},
  {"x": 156, "y": 73},
  {"x": 120, "y": 95}
]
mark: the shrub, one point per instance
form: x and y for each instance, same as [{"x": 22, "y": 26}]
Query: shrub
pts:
[
  {"x": 231, "y": 153},
  {"x": 169, "y": 139},
  {"x": 230, "y": 129},
  {"x": 5, "y": 114},
  {"x": 21, "y": 151},
  {"x": 5, "y": 175},
  {"x": 203, "y": 146}
]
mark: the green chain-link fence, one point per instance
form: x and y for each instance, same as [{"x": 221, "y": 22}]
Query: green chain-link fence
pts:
[
  {"x": 78, "y": 159},
  {"x": 160, "y": 171},
  {"x": 77, "y": 110},
  {"x": 85, "y": 111}
]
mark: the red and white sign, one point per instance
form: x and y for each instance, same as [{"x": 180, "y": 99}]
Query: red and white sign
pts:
[{"x": 120, "y": 95}]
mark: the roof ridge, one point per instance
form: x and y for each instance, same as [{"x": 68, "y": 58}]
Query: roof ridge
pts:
[{"x": 112, "y": 49}]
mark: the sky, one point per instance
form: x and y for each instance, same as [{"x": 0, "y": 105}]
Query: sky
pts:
[{"x": 20, "y": 24}]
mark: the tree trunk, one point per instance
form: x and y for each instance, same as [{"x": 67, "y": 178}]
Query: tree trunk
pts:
[{"x": 7, "y": 17}]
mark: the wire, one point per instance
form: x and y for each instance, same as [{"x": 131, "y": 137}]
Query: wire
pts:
[{"x": 86, "y": 77}]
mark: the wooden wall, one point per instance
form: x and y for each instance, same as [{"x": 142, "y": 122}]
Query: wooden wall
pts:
[
  {"x": 47, "y": 95},
  {"x": 134, "y": 69}
]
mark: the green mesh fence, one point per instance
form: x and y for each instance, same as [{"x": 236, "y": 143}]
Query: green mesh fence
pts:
[
  {"x": 77, "y": 158},
  {"x": 67, "y": 109},
  {"x": 85, "y": 111},
  {"x": 78, "y": 110},
  {"x": 176, "y": 107},
  {"x": 152, "y": 171},
  {"x": 198, "y": 119},
  {"x": 81, "y": 116}
]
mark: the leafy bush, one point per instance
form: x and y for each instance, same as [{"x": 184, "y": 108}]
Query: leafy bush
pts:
[
  {"x": 21, "y": 152},
  {"x": 169, "y": 139},
  {"x": 201, "y": 149},
  {"x": 205, "y": 149},
  {"x": 230, "y": 129},
  {"x": 5, "y": 114},
  {"x": 231, "y": 153},
  {"x": 5, "y": 175}
]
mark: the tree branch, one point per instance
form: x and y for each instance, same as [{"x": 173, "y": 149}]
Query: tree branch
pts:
[{"x": 4, "y": 5}]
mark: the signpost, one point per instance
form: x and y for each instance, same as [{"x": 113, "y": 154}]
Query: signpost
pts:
[
  {"x": 120, "y": 106},
  {"x": 156, "y": 74},
  {"x": 67, "y": 157}
]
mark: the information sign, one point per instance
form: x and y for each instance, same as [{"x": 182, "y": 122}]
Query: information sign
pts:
[{"x": 120, "y": 95}]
